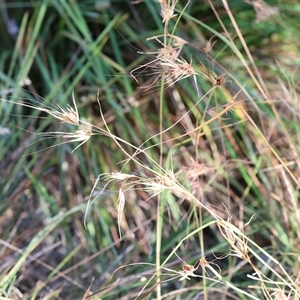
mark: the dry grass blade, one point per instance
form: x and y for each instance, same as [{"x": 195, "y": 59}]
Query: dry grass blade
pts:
[
  {"x": 86, "y": 294},
  {"x": 121, "y": 205}
]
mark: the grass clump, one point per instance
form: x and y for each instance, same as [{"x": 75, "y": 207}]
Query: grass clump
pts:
[{"x": 172, "y": 170}]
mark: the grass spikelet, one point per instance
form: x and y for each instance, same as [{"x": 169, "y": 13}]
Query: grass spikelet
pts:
[
  {"x": 238, "y": 245},
  {"x": 167, "y": 68},
  {"x": 80, "y": 135},
  {"x": 66, "y": 115},
  {"x": 216, "y": 80},
  {"x": 279, "y": 294},
  {"x": 167, "y": 10},
  {"x": 120, "y": 205},
  {"x": 187, "y": 270}
]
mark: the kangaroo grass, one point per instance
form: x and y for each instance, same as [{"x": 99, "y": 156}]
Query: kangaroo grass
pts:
[{"x": 170, "y": 178}]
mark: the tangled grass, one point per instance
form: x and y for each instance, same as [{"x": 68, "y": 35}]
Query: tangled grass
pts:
[{"x": 193, "y": 160}]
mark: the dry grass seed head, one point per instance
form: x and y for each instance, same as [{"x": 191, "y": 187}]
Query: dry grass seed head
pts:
[
  {"x": 187, "y": 270},
  {"x": 262, "y": 10},
  {"x": 119, "y": 176},
  {"x": 167, "y": 10},
  {"x": 216, "y": 80},
  {"x": 241, "y": 249},
  {"x": 110, "y": 177},
  {"x": 69, "y": 115},
  {"x": 171, "y": 49},
  {"x": 209, "y": 45},
  {"x": 166, "y": 70},
  {"x": 80, "y": 135},
  {"x": 195, "y": 169},
  {"x": 194, "y": 175},
  {"x": 219, "y": 80},
  {"x": 66, "y": 115},
  {"x": 166, "y": 65},
  {"x": 168, "y": 53},
  {"x": 176, "y": 70},
  {"x": 154, "y": 185},
  {"x": 279, "y": 294},
  {"x": 157, "y": 184},
  {"x": 239, "y": 246}
]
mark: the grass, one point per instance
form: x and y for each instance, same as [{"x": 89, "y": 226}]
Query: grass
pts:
[{"x": 149, "y": 150}]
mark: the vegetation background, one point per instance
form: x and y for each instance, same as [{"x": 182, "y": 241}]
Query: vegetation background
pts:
[{"x": 189, "y": 110}]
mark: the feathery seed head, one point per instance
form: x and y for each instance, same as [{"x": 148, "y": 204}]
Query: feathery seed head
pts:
[
  {"x": 167, "y": 10},
  {"x": 69, "y": 115}
]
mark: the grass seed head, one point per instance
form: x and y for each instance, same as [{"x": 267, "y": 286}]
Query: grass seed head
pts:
[
  {"x": 279, "y": 294},
  {"x": 176, "y": 70},
  {"x": 239, "y": 246},
  {"x": 262, "y": 10},
  {"x": 167, "y": 10},
  {"x": 187, "y": 271},
  {"x": 66, "y": 115},
  {"x": 216, "y": 80}
]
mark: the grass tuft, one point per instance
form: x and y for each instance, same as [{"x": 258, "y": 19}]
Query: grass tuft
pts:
[{"x": 175, "y": 172}]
